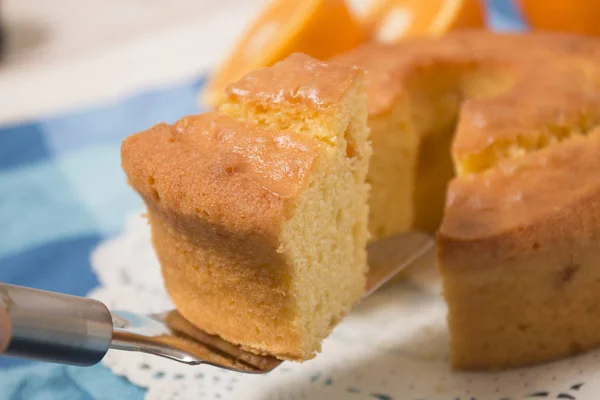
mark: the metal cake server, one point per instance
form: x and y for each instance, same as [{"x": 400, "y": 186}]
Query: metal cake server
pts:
[{"x": 74, "y": 330}]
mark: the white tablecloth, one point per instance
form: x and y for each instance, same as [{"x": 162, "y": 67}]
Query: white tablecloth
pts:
[{"x": 72, "y": 53}]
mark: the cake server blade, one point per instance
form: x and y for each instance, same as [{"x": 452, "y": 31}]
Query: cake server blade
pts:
[{"x": 74, "y": 330}]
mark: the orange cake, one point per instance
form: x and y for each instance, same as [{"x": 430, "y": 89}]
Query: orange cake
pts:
[
  {"x": 511, "y": 115},
  {"x": 260, "y": 224}
]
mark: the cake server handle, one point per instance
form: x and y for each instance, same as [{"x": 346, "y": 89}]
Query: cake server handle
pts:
[{"x": 54, "y": 327}]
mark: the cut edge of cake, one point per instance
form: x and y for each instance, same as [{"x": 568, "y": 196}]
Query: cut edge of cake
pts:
[{"x": 338, "y": 199}]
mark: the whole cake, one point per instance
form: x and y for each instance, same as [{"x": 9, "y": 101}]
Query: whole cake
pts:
[
  {"x": 259, "y": 211},
  {"x": 519, "y": 246}
]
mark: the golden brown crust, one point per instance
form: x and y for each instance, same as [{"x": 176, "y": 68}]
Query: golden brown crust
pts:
[
  {"x": 521, "y": 193},
  {"x": 297, "y": 80},
  {"x": 229, "y": 283},
  {"x": 541, "y": 80},
  {"x": 227, "y": 172}
]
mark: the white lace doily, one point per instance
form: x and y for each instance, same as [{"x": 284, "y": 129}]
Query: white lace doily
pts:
[{"x": 394, "y": 346}]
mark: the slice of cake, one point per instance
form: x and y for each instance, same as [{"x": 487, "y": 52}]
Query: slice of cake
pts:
[{"x": 259, "y": 212}]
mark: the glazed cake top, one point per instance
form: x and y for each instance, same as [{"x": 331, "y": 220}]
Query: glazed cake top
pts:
[
  {"x": 229, "y": 172},
  {"x": 299, "y": 80},
  {"x": 511, "y": 86},
  {"x": 234, "y": 173},
  {"x": 520, "y": 194}
]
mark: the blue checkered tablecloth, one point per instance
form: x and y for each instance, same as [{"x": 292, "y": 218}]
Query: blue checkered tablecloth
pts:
[{"x": 61, "y": 192}]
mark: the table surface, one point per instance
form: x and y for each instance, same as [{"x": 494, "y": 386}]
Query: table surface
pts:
[{"x": 69, "y": 93}]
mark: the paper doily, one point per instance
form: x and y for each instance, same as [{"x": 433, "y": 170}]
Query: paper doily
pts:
[{"x": 394, "y": 346}]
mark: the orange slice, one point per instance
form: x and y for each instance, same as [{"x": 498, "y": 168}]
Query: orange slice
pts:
[
  {"x": 319, "y": 28},
  {"x": 575, "y": 16},
  {"x": 392, "y": 20}
]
